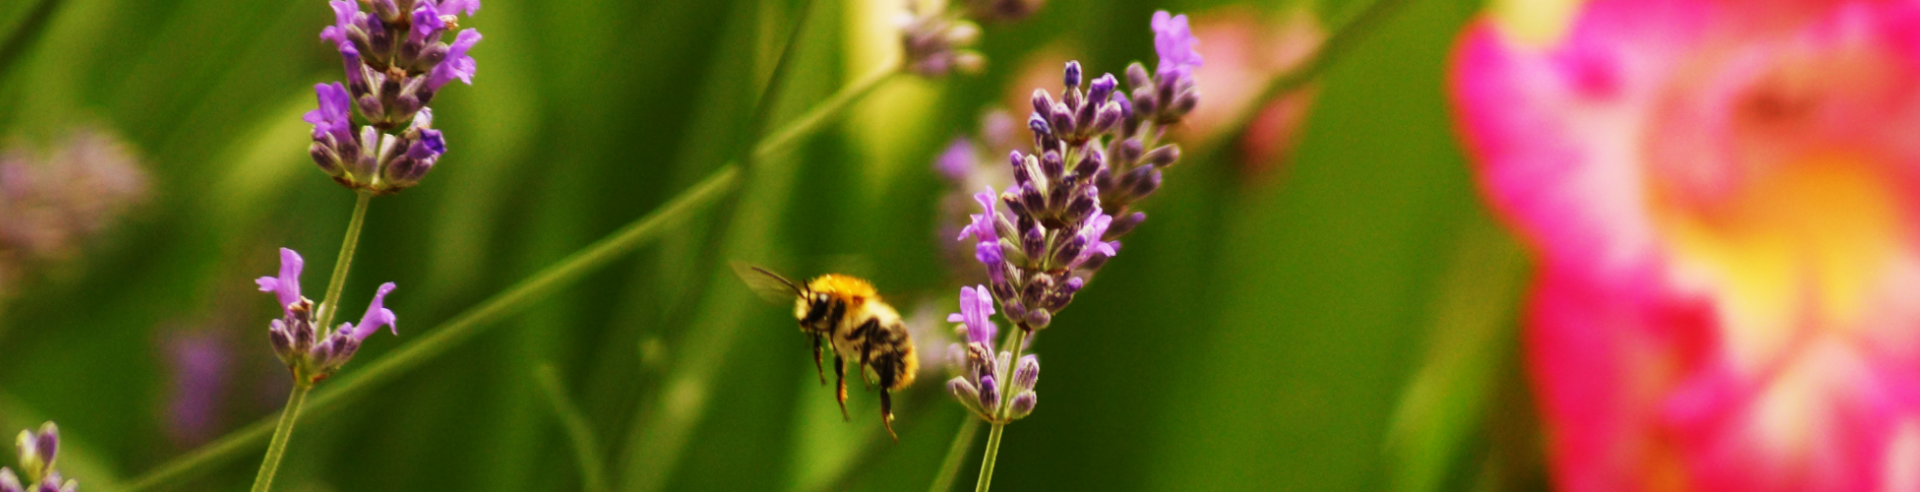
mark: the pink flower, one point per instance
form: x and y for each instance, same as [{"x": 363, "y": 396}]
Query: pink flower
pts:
[{"x": 1724, "y": 201}]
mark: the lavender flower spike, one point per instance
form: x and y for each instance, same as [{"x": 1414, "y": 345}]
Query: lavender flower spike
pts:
[
  {"x": 37, "y": 452},
  {"x": 395, "y": 61},
  {"x": 311, "y": 351}
]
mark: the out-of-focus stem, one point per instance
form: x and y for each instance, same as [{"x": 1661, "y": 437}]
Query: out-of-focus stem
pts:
[
  {"x": 950, "y": 467},
  {"x": 263, "y": 481}
]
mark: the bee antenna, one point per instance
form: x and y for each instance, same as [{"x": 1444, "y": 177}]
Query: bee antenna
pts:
[{"x": 797, "y": 289}]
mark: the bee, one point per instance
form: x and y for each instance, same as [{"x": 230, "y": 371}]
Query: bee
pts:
[{"x": 848, "y": 313}]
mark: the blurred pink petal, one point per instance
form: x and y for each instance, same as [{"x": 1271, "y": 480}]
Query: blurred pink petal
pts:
[{"x": 1722, "y": 200}]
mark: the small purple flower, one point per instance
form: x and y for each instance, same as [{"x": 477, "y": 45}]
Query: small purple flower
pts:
[
  {"x": 311, "y": 351},
  {"x": 377, "y": 315},
  {"x": 457, "y": 63},
  {"x": 976, "y": 310},
  {"x": 1173, "y": 41},
  {"x": 984, "y": 226},
  {"x": 286, "y": 287},
  {"x": 343, "y": 12}
]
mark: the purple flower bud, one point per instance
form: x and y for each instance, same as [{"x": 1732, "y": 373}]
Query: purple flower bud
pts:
[
  {"x": 1039, "y": 124},
  {"x": 1042, "y": 102},
  {"x": 1147, "y": 184},
  {"x": 1090, "y": 163},
  {"x": 1124, "y": 225},
  {"x": 1073, "y": 74},
  {"x": 286, "y": 287},
  {"x": 1162, "y": 156},
  {"x": 1022, "y": 405},
  {"x": 1062, "y": 120},
  {"x": 1131, "y": 149},
  {"x": 989, "y": 393},
  {"x": 1052, "y": 167},
  {"x": 1102, "y": 89},
  {"x": 1026, "y": 374},
  {"x": 282, "y": 340},
  {"x": 1137, "y": 76},
  {"x": 1034, "y": 242},
  {"x": 1039, "y": 318},
  {"x": 48, "y": 442},
  {"x": 1126, "y": 105},
  {"x": 10, "y": 482},
  {"x": 1144, "y": 101},
  {"x": 965, "y": 392},
  {"x": 1185, "y": 102},
  {"x": 1108, "y": 116}
]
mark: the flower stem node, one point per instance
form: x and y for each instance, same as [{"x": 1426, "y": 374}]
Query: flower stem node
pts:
[
  {"x": 37, "y": 451},
  {"x": 312, "y": 352}
]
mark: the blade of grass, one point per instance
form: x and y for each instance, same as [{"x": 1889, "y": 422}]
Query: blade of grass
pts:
[
  {"x": 579, "y": 433},
  {"x": 28, "y": 30},
  {"x": 456, "y": 331}
]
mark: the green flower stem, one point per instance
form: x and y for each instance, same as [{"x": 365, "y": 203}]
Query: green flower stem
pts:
[
  {"x": 263, "y": 481},
  {"x": 824, "y": 112},
  {"x": 452, "y": 333},
  {"x": 1337, "y": 44},
  {"x": 950, "y": 466},
  {"x": 1019, "y": 338},
  {"x": 580, "y": 434},
  {"x": 330, "y": 305}
]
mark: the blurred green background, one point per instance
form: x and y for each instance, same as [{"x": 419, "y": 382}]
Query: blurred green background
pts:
[{"x": 1345, "y": 323}]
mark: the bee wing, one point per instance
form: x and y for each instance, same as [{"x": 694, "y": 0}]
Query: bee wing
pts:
[{"x": 768, "y": 285}]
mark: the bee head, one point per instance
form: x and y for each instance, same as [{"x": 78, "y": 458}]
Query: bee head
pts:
[{"x": 811, "y": 307}]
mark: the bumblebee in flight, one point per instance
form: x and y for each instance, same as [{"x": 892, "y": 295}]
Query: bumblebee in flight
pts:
[{"x": 858, "y": 325}]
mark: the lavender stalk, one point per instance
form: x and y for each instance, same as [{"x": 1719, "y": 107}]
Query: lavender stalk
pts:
[{"x": 1096, "y": 151}]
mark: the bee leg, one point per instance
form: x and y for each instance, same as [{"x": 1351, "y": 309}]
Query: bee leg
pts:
[
  {"x": 886, "y": 411},
  {"x": 817, "y": 369},
  {"x": 886, "y": 372},
  {"x": 866, "y": 360},
  {"x": 867, "y": 331},
  {"x": 840, "y": 376}
]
